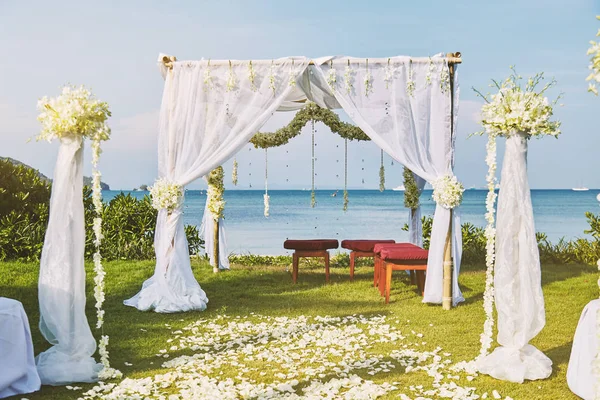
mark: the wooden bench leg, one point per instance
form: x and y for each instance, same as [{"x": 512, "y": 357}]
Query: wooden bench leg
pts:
[
  {"x": 388, "y": 283},
  {"x": 376, "y": 272},
  {"x": 352, "y": 260},
  {"x": 327, "y": 266},
  {"x": 421, "y": 282},
  {"x": 382, "y": 273},
  {"x": 413, "y": 280},
  {"x": 295, "y": 267}
]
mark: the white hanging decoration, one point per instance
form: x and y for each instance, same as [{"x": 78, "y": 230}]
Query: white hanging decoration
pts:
[
  {"x": 272, "y": 79},
  {"x": 430, "y": 71},
  {"x": 266, "y": 195},
  {"x": 410, "y": 84},
  {"x": 331, "y": 76},
  {"x": 368, "y": 81},
  {"x": 234, "y": 173},
  {"x": 389, "y": 74},
  {"x": 251, "y": 76},
  {"x": 447, "y": 191},
  {"x": 445, "y": 79},
  {"x": 208, "y": 79},
  {"x": 230, "y": 79},
  {"x": 292, "y": 77},
  {"x": 166, "y": 194},
  {"x": 348, "y": 78}
]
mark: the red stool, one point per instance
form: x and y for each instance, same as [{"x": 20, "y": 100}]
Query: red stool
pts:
[
  {"x": 406, "y": 257},
  {"x": 376, "y": 251},
  {"x": 361, "y": 248},
  {"x": 310, "y": 248}
]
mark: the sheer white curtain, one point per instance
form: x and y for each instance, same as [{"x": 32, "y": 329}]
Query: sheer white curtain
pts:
[
  {"x": 517, "y": 277},
  {"x": 415, "y": 225},
  {"x": 207, "y": 232},
  {"x": 62, "y": 277},
  {"x": 413, "y": 129},
  {"x": 203, "y": 122}
]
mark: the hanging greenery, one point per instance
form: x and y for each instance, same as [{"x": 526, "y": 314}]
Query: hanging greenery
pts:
[
  {"x": 234, "y": 173},
  {"x": 346, "y": 175},
  {"x": 411, "y": 191},
  {"x": 216, "y": 204},
  {"x": 310, "y": 112},
  {"x": 266, "y": 196},
  {"x": 381, "y": 175}
]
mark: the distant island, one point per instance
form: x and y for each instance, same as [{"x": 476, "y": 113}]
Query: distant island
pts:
[{"x": 87, "y": 180}]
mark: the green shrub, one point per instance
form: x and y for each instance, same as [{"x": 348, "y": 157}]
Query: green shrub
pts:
[{"x": 128, "y": 223}]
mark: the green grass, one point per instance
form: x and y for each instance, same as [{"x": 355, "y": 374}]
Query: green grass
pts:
[{"x": 268, "y": 290}]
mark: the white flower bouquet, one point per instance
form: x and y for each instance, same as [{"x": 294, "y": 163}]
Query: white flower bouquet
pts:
[
  {"x": 447, "y": 191},
  {"x": 519, "y": 109},
  {"x": 166, "y": 194}
]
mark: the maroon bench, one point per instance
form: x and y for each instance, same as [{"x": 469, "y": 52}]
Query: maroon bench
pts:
[
  {"x": 310, "y": 248},
  {"x": 361, "y": 248},
  {"x": 399, "y": 257}
]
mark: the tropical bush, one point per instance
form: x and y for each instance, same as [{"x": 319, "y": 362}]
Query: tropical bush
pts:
[{"x": 128, "y": 222}]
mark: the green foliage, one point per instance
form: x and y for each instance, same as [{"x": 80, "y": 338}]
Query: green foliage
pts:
[
  {"x": 128, "y": 223},
  {"x": 252, "y": 260},
  {"x": 411, "y": 191},
  {"x": 264, "y": 140}
]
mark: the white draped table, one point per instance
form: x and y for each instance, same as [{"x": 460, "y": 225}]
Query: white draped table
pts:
[
  {"x": 18, "y": 374},
  {"x": 580, "y": 376}
]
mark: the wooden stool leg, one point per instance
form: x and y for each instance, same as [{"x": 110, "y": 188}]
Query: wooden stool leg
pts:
[
  {"x": 327, "y": 266},
  {"x": 376, "y": 272},
  {"x": 352, "y": 259},
  {"x": 421, "y": 282},
  {"x": 412, "y": 278},
  {"x": 295, "y": 267},
  {"x": 382, "y": 274},
  {"x": 388, "y": 283}
]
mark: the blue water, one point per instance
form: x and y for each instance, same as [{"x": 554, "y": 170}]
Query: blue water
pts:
[{"x": 371, "y": 215}]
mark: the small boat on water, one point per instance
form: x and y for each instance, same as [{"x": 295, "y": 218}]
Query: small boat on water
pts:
[
  {"x": 334, "y": 194},
  {"x": 399, "y": 188},
  {"x": 580, "y": 189}
]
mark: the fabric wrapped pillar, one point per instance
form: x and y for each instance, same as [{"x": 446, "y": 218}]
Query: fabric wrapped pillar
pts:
[
  {"x": 62, "y": 277},
  {"x": 517, "y": 276},
  {"x": 206, "y": 231}
]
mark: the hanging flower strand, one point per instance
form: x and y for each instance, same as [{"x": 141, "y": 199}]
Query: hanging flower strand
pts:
[
  {"x": 251, "y": 76},
  {"x": 389, "y": 74},
  {"x": 410, "y": 84},
  {"x": 430, "y": 71},
  {"x": 313, "y": 200},
  {"x": 381, "y": 175},
  {"x": 234, "y": 173},
  {"x": 368, "y": 81},
  {"x": 266, "y": 196},
  {"x": 208, "y": 79},
  {"x": 348, "y": 78},
  {"x": 292, "y": 77},
  {"x": 230, "y": 79},
  {"x": 444, "y": 78},
  {"x": 272, "y": 79},
  {"x": 345, "y": 175},
  {"x": 331, "y": 76}
]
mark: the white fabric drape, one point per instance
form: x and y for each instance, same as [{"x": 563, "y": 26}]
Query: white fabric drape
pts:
[
  {"x": 580, "y": 373},
  {"x": 203, "y": 122},
  {"x": 517, "y": 279},
  {"x": 62, "y": 277},
  {"x": 415, "y": 225},
  {"x": 207, "y": 232},
  {"x": 415, "y": 130},
  {"x": 18, "y": 374}
]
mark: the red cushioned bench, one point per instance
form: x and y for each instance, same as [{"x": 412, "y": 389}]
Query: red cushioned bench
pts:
[
  {"x": 310, "y": 248},
  {"x": 361, "y": 248},
  {"x": 399, "y": 257}
]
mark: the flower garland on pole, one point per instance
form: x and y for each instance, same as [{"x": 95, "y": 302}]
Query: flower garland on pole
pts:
[
  {"x": 381, "y": 175},
  {"x": 216, "y": 204},
  {"x": 512, "y": 109},
  {"x": 76, "y": 112}
]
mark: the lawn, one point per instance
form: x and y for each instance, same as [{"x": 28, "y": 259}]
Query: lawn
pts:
[{"x": 267, "y": 291}]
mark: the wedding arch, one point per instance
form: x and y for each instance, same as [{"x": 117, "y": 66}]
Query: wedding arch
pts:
[{"x": 211, "y": 109}]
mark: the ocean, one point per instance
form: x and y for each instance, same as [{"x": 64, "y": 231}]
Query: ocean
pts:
[{"x": 371, "y": 215}]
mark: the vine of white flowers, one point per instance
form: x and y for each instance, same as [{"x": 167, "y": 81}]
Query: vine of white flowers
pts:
[
  {"x": 166, "y": 194},
  {"x": 410, "y": 83},
  {"x": 216, "y": 203},
  {"x": 266, "y": 201},
  {"x": 272, "y": 79},
  {"x": 368, "y": 81},
  {"x": 208, "y": 79},
  {"x": 348, "y": 73},
  {"x": 388, "y": 74},
  {"x": 77, "y": 113},
  {"x": 292, "y": 77},
  {"x": 230, "y": 79},
  {"x": 234, "y": 173},
  {"x": 331, "y": 77},
  {"x": 430, "y": 71},
  {"x": 447, "y": 191},
  {"x": 445, "y": 78},
  {"x": 251, "y": 76}
]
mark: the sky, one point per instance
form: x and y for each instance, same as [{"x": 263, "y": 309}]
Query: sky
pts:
[{"x": 112, "y": 47}]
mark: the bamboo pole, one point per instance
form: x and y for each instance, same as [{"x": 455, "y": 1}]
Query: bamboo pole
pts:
[
  {"x": 447, "y": 281},
  {"x": 216, "y": 246}
]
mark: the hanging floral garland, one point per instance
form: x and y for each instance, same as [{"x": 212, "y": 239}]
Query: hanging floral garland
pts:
[
  {"x": 512, "y": 109},
  {"x": 411, "y": 190},
  {"x": 313, "y": 200},
  {"x": 345, "y": 175},
  {"x": 310, "y": 112},
  {"x": 77, "y": 113},
  {"x": 266, "y": 196},
  {"x": 216, "y": 204},
  {"x": 594, "y": 67},
  {"x": 234, "y": 173},
  {"x": 381, "y": 175}
]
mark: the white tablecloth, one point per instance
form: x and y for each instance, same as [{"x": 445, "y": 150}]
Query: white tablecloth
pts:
[
  {"x": 17, "y": 366},
  {"x": 585, "y": 345}
]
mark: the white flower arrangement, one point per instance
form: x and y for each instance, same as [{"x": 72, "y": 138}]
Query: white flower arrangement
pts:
[
  {"x": 208, "y": 79},
  {"x": 519, "y": 109},
  {"x": 272, "y": 78},
  {"x": 166, "y": 194},
  {"x": 594, "y": 67},
  {"x": 430, "y": 71},
  {"x": 331, "y": 77},
  {"x": 234, "y": 173},
  {"x": 388, "y": 74},
  {"x": 410, "y": 83},
  {"x": 216, "y": 203},
  {"x": 107, "y": 372},
  {"x": 251, "y": 76},
  {"x": 447, "y": 191},
  {"x": 266, "y": 200},
  {"x": 230, "y": 79},
  {"x": 292, "y": 77},
  {"x": 77, "y": 113},
  {"x": 445, "y": 78},
  {"x": 368, "y": 81},
  {"x": 348, "y": 78}
]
